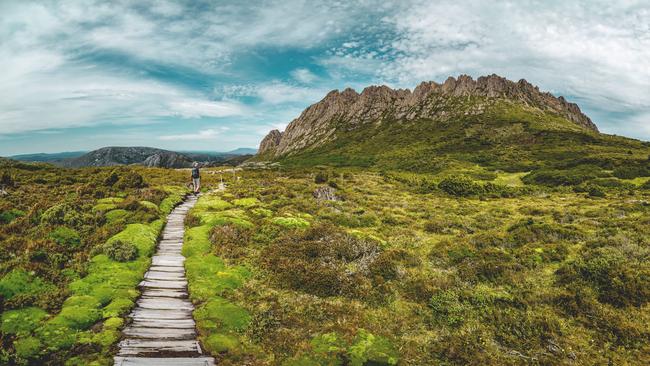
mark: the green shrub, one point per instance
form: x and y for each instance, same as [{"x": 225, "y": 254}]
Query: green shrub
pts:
[
  {"x": 219, "y": 314},
  {"x": 230, "y": 240},
  {"x": 631, "y": 172},
  {"x": 323, "y": 261},
  {"x": 369, "y": 349},
  {"x": 62, "y": 214},
  {"x": 7, "y": 217},
  {"x": 460, "y": 186},
  {"x": 567, "y": 177},
  {"x": 321, "y": 177},
  {"x": 22, "y": 321},
  {"x": 618, "y": 280},
  {"x": 121, "y": 251},
  {"x": 55, "y": 335},
  {"x": 447, "y": 307},
  {"x": 130, "y": 179},
  {"x": 595, "y": 191},
  {"x": 66, "y": 237}
]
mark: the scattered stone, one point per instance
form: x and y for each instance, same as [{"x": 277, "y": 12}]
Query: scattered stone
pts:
[{"x": 326, "y": 193}]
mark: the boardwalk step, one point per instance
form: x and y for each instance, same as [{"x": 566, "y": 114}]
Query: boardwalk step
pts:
[{"x": 145, "y": 361}]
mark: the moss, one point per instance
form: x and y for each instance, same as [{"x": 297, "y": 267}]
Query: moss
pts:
[
  {"x": 371, "y": 349},
  {"x": 262, "y": 212},
  {"x": 115, "y": 215},
  {"x": 103, "y": 207},
  {"x": 117, "y": 307},
  {"x": 19, "y": 282},
  {"x": 219, "y": 343},
  {"x": 168, "y": 204},
  {"x": 27, "y": 348},
  {"x": 150, "y": 205},
  {"x": 227, "y": 217},
  {"x": 120, "y": 251},
  {"x": 246, "y": 202},
  {"x": 106, "y": 337},
  {"x": 110, "y": 200},
  {"x": 113, "y": 323},
  {"x": 22, "y": 321},
  {"x": 219, "y": 314},
  {"x": 78, "y": 316},
  {"x": 211, "y": 203},
  {"x": 291, "y": 222},
  {"x": 56, "y": 336},
  {"x": 66, "y": 237}
]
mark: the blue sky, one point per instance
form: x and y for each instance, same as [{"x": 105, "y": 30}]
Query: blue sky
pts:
[{"x": 217, "y": 75}]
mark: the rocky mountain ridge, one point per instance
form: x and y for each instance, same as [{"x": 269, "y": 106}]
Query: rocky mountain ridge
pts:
[{"x": 349, "y": 110}]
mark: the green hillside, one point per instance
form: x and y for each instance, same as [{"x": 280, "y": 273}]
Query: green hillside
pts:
[{"x": 508, "y": 137}]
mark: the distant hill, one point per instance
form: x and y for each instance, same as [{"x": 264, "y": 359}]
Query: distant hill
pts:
[
  {"x": 114, "y": 155},
  {"x": 151, "y": 157},
  {"x": 48, "y": 157},
  {"x": 493, "y": 122},
  {"x": 242, "y": 151}
]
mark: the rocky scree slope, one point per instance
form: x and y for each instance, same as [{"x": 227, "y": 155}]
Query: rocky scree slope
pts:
[{"x": 147, "y": 156}]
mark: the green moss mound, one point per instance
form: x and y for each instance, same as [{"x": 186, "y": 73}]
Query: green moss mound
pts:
[{"x": 22, "y": 321}]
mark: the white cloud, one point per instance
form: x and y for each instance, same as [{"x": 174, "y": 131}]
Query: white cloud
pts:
[
  {"x": 203, "y": 135},
  {"x": 304, "y": 76}
]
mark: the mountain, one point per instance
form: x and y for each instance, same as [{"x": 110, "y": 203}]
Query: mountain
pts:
[
  {"x": 147, "y": 156},
  {"x": 490, "y": 121},
  {"x": 48, "y": 158},
  {"x": 242, "y": 151}
]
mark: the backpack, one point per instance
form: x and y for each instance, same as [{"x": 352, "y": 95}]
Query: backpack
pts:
[{"x": 195, "y": 173}]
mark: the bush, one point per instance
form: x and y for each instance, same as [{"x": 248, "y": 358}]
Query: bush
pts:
[
  {"x": 460, "y": 186},
  {"x": 324, "y": 261},
  {"x": 120, "y": 251},
  {"x": 6, "y": 180},
  {"x": 130, "y": 179},
  {"x": 230, "y": 240},
  {"x": 595, "y": 191},
  {"x": 62, "y": 214},
  {"x": 618, "y": 280},
  {"x": 567, "y": 177},
  {"x": 631, "y": 172},
  {"x": 7, "y": 217},
  {"x": 321, "y": 177},
  {"x": 66, "y": 237}
]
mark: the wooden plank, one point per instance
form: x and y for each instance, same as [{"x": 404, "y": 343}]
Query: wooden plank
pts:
[
  {"x": 146, "y": 361},
  {"x": 174, "y": 269},
  {"x": 141, "y": 314},
  {"x": 164, "y": 323},
  {"x": 161, "y": 303},
  {"x": 156, "y": 275},
  {"x": 162, "y": 293},
  {"x": 178, "y": 285},
  {"x": 160, "y": 333},
  {"x": 142, "y": 346}
]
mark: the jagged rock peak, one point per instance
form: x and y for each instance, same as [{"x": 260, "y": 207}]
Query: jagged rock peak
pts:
[
  {"x": 270, "y": 142},
  {"x": 429, "y": 100}
]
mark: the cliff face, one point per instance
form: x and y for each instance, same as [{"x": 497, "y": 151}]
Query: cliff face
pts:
[
  {"x": 111, "y": 156},
  {"x": 349, "y": 110}
]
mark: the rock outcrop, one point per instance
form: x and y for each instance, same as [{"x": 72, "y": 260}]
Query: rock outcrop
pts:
[
  {"x": 270, "y": 143},
  {"x": 348, "y": 109}
]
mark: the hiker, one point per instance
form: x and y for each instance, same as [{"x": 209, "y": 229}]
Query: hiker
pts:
[{"x": 196, "y": 177}]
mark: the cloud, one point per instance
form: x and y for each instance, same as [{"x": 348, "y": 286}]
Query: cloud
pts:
[
  {"x": 203, "y": 135},
  {"x": 304, "y": 76}
]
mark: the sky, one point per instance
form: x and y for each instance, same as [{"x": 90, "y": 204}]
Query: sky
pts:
[{"x": 218, "y": 75}]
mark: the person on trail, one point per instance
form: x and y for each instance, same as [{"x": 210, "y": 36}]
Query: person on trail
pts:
[{"x": 196, "y": 177}]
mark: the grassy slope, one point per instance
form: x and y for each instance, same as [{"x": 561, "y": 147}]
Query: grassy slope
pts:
[
  {"x": 508, "y": 136},
  {"x": 546, "y": 277}
]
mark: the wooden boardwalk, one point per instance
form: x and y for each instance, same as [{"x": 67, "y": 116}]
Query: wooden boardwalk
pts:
[{"x": 163, "y": 330}]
